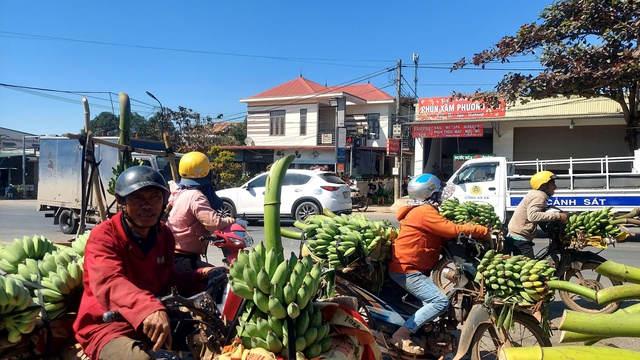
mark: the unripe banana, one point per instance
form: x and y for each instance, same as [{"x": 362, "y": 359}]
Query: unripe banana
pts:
[
  {"x": 276, "y": 309},
  {"x": 261, "y": 300},
  {"x": 263, "y": 282},
  {"x": 293, "y": 310}
]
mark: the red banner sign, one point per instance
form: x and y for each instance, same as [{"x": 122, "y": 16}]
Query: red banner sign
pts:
[
  {"x": 443, "y": 108},
  {"x": 446, "y": 130},
  {"x": 393, "y": 146}
]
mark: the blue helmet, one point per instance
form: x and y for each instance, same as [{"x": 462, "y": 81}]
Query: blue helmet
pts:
[{"x": 423, "y": 187}]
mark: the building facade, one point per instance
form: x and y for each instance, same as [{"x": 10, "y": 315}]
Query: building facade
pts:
[
  {"x": 446, "y": 131},
  {"x": 305, "y": 119}
]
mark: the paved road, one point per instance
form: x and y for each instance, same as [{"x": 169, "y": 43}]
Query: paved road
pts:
[{"x": 21, "y": 217}]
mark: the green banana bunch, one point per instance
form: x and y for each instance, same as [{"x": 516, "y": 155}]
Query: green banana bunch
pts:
[
  {"x": 80, "y": 242},
  {"x": 517, "y": 281},
  {"x": 587, "y": 224},
  {"x": 17, "y": 310},
  {"x": 35, "y": 247},
  {"x": 470, "y": 212},
  {"x": 345, "y": 239},
  {"x": 278, "y": 291},
  {"x": 61, "y": 287},
  {"x": 269, "y": 332},
  {"x": 516, "y": 277}
]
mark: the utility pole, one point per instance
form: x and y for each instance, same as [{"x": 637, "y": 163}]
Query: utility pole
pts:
[
  {"x": 416, "y": 57},
  {"x": 398, "y": 161}
]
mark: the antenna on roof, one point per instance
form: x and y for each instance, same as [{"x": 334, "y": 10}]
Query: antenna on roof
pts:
[{"x": 300, "y": 72}]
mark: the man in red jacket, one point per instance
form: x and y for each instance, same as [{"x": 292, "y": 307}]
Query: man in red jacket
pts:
[
  {"x": 128, "y": 263},
  {"x": 417, "y": 249}
]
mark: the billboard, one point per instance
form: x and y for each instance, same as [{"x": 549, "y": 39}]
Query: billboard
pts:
[
  {"x": 446, "y": 130},
  {"x": 445, "y": 108}
]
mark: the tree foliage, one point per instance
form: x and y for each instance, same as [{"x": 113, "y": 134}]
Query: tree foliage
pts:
[
  {"x": 589, "y": 48},
  {"x": 107, "y": 123},
  {"x": 228, "y": 173}
]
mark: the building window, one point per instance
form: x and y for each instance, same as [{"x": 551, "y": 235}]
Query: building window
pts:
[
  {"x": 303, "y": 121},
  {"x": 276, "y": 124},
  {"x": 373, "y": 128}
]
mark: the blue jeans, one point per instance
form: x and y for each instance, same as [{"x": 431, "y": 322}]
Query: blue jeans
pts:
[{"x": 434, "y": 301}]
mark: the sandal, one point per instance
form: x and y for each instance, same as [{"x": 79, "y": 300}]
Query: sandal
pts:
[{"x": 407, "y": 345}]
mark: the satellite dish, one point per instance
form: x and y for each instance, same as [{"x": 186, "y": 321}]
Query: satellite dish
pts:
[{"x": 249, "y": 142}]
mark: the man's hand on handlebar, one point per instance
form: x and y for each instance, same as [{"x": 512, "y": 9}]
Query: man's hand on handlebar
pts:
[
  {"x": 563, "y": 217},
  {"x": 156, "y": 327}
]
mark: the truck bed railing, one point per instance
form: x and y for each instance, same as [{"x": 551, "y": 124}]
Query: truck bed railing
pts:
[{"x": 607, "y": 173}]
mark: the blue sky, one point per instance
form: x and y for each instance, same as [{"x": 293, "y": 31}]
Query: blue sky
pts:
[{"x": 207, "y": 55}]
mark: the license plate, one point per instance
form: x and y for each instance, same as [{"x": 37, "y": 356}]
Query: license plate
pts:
[{"x": 346, "y": 194}]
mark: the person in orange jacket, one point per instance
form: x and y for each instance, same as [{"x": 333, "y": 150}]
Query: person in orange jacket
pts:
[{"x": 423, "y": 231}]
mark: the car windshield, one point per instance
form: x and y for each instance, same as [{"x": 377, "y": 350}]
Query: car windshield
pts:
[{"x": 332, "y": 178}]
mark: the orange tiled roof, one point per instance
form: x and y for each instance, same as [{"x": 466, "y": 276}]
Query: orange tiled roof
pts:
[{"x": 301, "y": 86}]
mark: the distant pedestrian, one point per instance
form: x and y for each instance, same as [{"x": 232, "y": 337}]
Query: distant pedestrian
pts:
[
  {"x": 405, "y": 186},
  {"x": 380, "y": 192},
  {"x": 372, "y": 189},
  {"x": 8, "y": 192}
]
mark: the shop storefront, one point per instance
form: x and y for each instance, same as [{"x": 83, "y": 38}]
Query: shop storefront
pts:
[{"x": 558, "y": 128}]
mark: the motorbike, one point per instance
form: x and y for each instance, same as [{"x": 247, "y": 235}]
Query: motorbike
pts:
[
  {"x": 572, "y": 264},
  {"x": 387, "y": 310},
  {"x": 205, "y": 322},
  {"x": 359, "y": 202}
]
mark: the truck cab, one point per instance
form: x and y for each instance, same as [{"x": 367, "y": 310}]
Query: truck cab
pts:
[{"x": 584, "y": 184}]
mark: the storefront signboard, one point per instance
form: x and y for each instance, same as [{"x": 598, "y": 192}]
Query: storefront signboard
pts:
[
  {"x": 393, "y": 146},
  {"x": 444, "y": 108},
  {"x": 446, "y": 130},
  {"x": 459, "y": 159}
]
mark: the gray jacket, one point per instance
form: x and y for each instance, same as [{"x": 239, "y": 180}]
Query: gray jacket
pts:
[{"x": 530, "y": 211}]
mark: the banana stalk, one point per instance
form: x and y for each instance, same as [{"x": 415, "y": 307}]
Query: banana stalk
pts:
[
  {"x": 618, "y": 293},
  {"x": 272, "y": 195},
  {"x": 291, "y": 234},
  {"x": 633, "y": 213},
  {"x": 572, "y": 288},
  {"x": 571, "y": 336},
  {"x": 620, "y": 272},
  {"x": 567, "y": 352},
  {"x": 618, "y": 324},
  {"x": 125, "y": 126}
]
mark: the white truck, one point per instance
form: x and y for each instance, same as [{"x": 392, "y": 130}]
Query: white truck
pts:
[
  {"x": 60, "y": 189},
  {"x": 584, "y": 184}
]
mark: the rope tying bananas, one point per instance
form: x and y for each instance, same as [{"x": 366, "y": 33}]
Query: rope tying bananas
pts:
[
  {"x": 277, "y": 292},
  {"x": 470, "y": 213}
]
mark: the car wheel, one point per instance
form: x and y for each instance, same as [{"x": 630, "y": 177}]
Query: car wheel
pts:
[
  {"x": 227, "y": 210},
  {"x": 305, "y": 209}
]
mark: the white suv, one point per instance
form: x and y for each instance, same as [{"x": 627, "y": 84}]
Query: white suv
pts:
[{"x": 304, "y": 193}]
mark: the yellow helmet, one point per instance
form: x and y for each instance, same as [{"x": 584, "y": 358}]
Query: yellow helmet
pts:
[
  {"x": 194, "y": 165},
  {"x": 540, "y": 178}
]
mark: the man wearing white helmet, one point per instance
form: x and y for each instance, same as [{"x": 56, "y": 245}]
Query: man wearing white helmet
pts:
[{"x": 415, "y": 252}]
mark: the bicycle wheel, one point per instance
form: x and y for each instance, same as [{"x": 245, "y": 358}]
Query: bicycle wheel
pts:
[
  {"x": 587, "y": 276},
  {"x": 486, "y": 343}
]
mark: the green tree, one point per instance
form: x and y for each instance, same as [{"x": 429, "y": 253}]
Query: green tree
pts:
[
  {"x": 229, "y": 173},
  {"x": 106, "y": 124},
  {"x": 190, "y": 130},
  {"x": 589, "y": 48}
]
